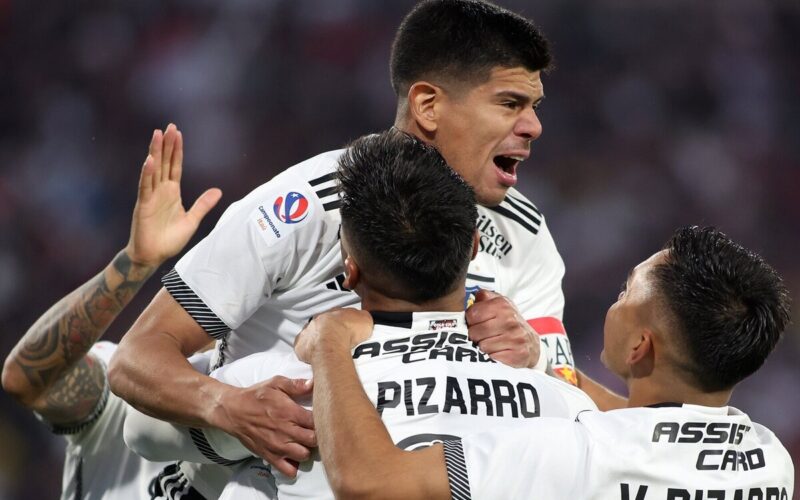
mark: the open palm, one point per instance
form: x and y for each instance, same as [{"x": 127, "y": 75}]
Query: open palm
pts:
[{"x": 161, "y": 227}]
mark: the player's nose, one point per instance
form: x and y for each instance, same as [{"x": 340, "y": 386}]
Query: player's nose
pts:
[{"x": 528, "y": 125}]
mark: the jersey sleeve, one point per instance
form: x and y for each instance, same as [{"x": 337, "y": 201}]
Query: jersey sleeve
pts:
[
  {"x": 539, "y": 293},
  {"x": 546, "y": 460},
  {"x": 261, "y": 244},
  {"x": 540, "y": 300}
]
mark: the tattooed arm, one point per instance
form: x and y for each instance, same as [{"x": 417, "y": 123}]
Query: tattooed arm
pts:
[{"x": 50, "y": 369}]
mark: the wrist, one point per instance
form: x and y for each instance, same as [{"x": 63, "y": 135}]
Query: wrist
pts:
[
  {"x": 218, "y": 394},
  {"x": 330, "y": 344},
  {"x": 138, "y": 264}
]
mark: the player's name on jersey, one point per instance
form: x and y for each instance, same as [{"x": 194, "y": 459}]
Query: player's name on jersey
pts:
[
  {"x": 712, "y": 433},
  {"x": 645, "y": 492},
  {"x": 447, "y": 345},
  {"x": 465, "y": 396}
]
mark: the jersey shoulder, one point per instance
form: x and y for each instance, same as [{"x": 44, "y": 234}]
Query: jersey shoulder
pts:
[{"x": 518, "y": 214}]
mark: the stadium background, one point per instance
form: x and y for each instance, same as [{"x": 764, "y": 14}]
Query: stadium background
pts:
[{"x": 660, "y": 114}]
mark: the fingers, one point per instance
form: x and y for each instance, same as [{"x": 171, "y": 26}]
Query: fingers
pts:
[
  {"x": 204, "y": 204},
  {"x": 285, "y": 466},
  {"x": 176, "y": 166},
  {"x": 482, "y": 295},
  {"x": 292, "y": 387},
  {"x": 146, "y": 178},
  {"x": 170, "y": 136},
  {"x": 156, "y": 150}
]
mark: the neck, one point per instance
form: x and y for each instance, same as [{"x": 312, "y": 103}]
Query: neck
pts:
[
  {"x": 372, "y": 301},
  {"x": 656, "y": 388}
]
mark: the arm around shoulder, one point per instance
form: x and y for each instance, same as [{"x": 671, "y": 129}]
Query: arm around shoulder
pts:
[{"x": 150, "y": 371}]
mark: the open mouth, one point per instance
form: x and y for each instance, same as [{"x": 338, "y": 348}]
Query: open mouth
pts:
[{"x": 507, "y": 166}]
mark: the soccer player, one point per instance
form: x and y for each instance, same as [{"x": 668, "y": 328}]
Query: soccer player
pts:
[
  {"x": 58, "y": 368},
  {"x": 691, "y": 322},
  {"x": 468, "y": 80},
  {"x": 408, "y": 234}
]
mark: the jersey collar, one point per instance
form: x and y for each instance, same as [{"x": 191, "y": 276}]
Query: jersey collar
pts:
[{"x": 427, "y": 320}]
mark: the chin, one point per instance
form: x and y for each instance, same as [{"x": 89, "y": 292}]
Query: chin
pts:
[{"x": 491, "y": 199}]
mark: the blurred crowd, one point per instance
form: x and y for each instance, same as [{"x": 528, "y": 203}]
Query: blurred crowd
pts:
[{"x": 658, "y": 114}]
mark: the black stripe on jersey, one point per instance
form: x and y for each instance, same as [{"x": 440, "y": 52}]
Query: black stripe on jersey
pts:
[
  {"x": 332, "y": 205},
  {"x": 194, "y": 305},
  {"x": 526, "y": 203},
  {"x": 223, "y": 345},
  {"x": 324, "y": 178},
  {"x": 322, "y": 193},
  {"x": 483, "y": 279},
  {"x": 202, "y": 444},
  {"x": 92, "y": 418},
  {"x": 523, "y": 211},
  {"x": 519, "y": 220},
  {"x": 79, "y": 480},
  {"x": 456, "y": 470},
  {"x": 172, "y": 484}
]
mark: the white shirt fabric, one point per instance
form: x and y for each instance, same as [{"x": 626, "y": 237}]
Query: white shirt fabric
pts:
[
  {"x": 273, "y": 261},
  {"x": 98, "y": 465},
  {"x": 683, "y": 452},
  {"x": 428, "y": 381}
]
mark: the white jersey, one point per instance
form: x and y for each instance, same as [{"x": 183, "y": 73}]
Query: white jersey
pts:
[
  {"x": 428, "y": 382},
  {"x": 273, "y": 261},
  {"x": 656, "y": 453},
  {"x": 98, "y": 465}
]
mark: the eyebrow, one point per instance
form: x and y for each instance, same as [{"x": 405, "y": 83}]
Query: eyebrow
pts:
[{"x": 520, "y": 97}]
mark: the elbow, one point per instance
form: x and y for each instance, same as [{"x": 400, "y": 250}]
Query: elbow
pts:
[
  {"x": 357, "y": 486},
  {"x": 16, "y": 384}
]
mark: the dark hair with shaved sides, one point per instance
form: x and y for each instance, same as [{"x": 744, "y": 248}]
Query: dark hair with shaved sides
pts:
[
  {"x": 461, "y": 41},
  {"x": 408, "y": 217},
  {"x": 729, "y": 306}
]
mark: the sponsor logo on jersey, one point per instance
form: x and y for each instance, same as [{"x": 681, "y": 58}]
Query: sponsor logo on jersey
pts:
[
  {"x": 265, "y": 221},
  {"x": 442, "y": 324},
  {"x": 291, "y": 209},
  {"x": 492, "y": 241}
]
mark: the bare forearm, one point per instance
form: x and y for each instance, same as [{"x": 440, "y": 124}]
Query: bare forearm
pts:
[
  {"x": 359, "y": 455},
  {"x": 52, "y": 352},
  {"x": 604, "y": 398},
  {"x": 153, "y": 375}
]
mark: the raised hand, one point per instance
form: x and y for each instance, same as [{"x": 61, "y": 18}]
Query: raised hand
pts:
[
  {"x": 501, "y": 332},
  {"x": 161, "y": 227}
]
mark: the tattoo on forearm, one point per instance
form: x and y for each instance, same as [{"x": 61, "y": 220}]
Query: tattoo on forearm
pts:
[
  {"x": 76, "y": 393},
  {"x": 65, "y": 333}
]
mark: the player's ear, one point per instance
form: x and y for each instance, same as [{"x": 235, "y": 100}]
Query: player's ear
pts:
[
  {"x": 476, "y": 244},
  {"x": 641, "y": 355},
  {"x": 424, "y": 107},
  {"x": 352, "y": 274}
]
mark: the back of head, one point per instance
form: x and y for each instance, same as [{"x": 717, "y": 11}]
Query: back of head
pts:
[
  {"x": 408, "y": 217},
  {"x": 462, "y": 40},
  {"x": 728, "y": 307}
]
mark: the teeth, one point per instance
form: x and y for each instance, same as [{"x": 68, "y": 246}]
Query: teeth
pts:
[{"x": 517, "y": 158}]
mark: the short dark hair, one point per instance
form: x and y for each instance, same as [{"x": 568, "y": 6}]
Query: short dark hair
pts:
[
  {"x": 728, "y": 306},
  {"x": 409, "y": 218},
  {"x": 463, "y": 40}
]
